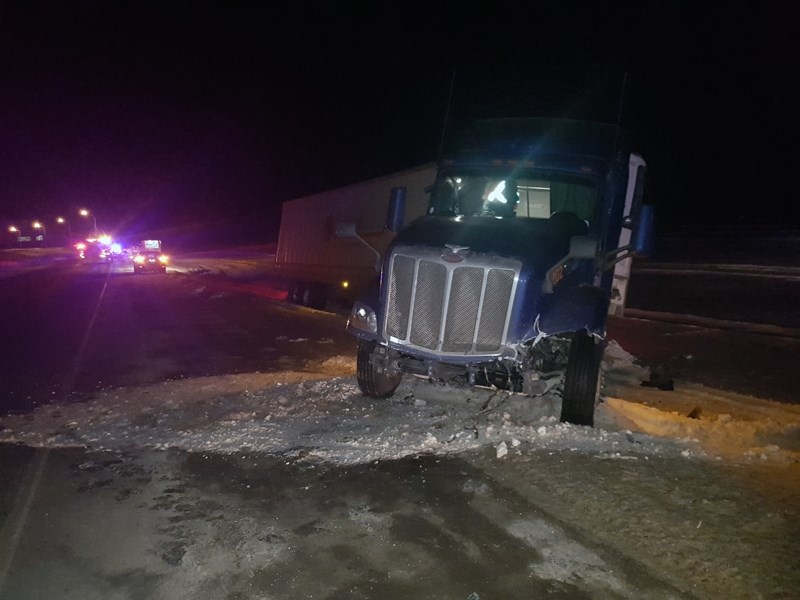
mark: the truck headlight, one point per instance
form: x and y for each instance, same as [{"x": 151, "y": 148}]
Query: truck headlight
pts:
[{"x": 363, "y": 317}]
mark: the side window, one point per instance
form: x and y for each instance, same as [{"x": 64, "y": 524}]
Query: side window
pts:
[
  {"x": 638, "y": 192},
  {"x": 444, "y": 196},
  {"x": 574, "y": 197}
]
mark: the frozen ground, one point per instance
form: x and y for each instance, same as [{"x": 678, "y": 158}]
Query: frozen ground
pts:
[
  {"x": 706, "y": 504},
  {"x": 695, "y": 489},
  {"x": 321, "y": 410},
  {"x": 322, "y": 413}
]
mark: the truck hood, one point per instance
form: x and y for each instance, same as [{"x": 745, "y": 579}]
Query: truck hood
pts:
[{"x": 538, "y": 243}]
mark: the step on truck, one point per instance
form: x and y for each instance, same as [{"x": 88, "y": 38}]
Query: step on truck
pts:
[{"x": 506, "y": 280}]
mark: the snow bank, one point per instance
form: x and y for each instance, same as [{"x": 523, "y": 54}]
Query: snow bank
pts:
[{"x": 322, "y": 415}]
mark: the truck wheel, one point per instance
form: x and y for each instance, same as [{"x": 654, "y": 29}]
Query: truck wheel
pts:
[
  {"x": 374, "y": 383},
  {"x": 315, "y": 296},
  {"x": 297, "y": 292},
  {"x": 582, "y": 380}
]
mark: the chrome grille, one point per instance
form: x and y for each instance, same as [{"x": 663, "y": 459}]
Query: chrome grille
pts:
[
  {"x": 499, "y": 283},
  {"x": 465, "y": 293},
  {"x": 447, "y": 308},
  {"x": 401, "y": 284},
  {"x": 428, "y": 304}
]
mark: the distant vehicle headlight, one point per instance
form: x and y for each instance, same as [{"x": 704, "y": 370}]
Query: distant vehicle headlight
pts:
[
  {"x": 139, "y": 259},
  {"x": 163, "y": 259}
]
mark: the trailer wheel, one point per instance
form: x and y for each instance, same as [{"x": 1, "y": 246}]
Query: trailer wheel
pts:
[
  {"x": 297, "y": 292},
  {"x": 373, "y": 382},
  {"x": 315, "y": 295},
  {"x": 582, "y": 380}
]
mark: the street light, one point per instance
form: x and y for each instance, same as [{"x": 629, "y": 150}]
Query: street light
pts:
[
  {"x": 62, "y": 220},
  {"x": 86, "y": 213},
  {"x": 37, "y": 225}
]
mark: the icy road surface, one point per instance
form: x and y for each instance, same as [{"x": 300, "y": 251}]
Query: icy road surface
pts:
[
  {"x": 293, "y": 485},
  {"x": 290, "y": 484}
]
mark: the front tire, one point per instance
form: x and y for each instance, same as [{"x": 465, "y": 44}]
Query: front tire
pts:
[
  {"x": 582, "y": 380},
  {"x": 373, "y": 382}
]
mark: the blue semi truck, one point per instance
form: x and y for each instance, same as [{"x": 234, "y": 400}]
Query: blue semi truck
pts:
[{"x": 507, "y": 278}]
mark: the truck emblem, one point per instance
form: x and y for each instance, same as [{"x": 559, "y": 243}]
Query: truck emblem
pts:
[{"x": 453, "y": 256}]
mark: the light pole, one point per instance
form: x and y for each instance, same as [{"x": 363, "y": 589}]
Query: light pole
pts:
[
  {"x": 37, "y": 225},
  {"x": 86, "y": 213},
  {"x": 62, "y": 220}
]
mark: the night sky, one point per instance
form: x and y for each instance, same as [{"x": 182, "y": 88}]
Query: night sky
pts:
[{"x": 193, "y": 114}]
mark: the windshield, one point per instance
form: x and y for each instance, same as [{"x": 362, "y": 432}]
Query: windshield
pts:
[{"x": 537, "y": 196}]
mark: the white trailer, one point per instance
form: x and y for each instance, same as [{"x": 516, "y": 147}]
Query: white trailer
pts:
[{"x": 317, "y": 264}]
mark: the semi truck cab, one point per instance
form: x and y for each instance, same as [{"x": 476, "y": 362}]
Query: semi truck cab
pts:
[{"x": 507, "y": 279}]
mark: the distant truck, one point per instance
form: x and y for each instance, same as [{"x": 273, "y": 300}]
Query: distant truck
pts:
[
  {"x": 507, "y": 278},
  {"x": 318, "y": 265}
]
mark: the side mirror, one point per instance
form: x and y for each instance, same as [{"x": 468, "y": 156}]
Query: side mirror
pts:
[
  {"x": 345, "y": 230},
  {"x": 643, "y": 231},
  {"x": 395, "y": 214}
]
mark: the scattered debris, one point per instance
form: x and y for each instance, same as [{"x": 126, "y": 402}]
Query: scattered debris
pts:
[
  {"x": 502, "y": 449},
  {"x": 695, "y": 412},
  {"x": 660, "y": 379}
]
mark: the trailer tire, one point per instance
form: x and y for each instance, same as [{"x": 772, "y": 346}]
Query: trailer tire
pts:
[
  {"x": 315, "y": 295},
  {"x": 373, "y": 382},
  {"x": 297, "y": 292},
  {"x": 582, "y": 380}
]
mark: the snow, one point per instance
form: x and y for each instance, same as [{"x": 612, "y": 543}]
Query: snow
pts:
[
  {"x": 321, "y": 415},
  {"x": 565, "y": 559},
  {"x": 683, "y": 521}
]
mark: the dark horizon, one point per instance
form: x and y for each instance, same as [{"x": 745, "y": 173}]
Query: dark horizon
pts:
[{"x": 157, "y": 117}]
